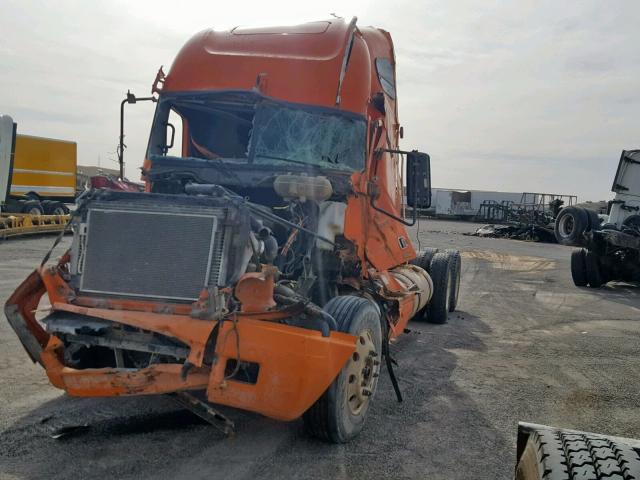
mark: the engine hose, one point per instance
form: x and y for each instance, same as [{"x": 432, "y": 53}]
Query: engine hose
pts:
[
  {"x": 286, "y": 296},
  {"x": 270, "y": 248}
]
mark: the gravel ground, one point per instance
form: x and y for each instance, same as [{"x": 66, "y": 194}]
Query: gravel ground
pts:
[{"x": 525, "y": 345}]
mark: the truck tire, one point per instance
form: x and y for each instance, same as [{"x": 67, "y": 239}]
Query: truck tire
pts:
[
  {"x": 579, "y": 268},
  {"x": 455, "y": 263},
  {"x": 594, "y": 219},
  {"x": 570, "y": 225},
  {"x": 55, "y": 208},
  {"x": 438, "y": 306},
  {"x": 594, "y": 276},
  {"x": 339, "y": 414},
  {"x": 32, "y": 207},
  {"x": 632, "y": 221},
  {"x": 552, "y": 454},
  {"x": 423, "y": 260}
]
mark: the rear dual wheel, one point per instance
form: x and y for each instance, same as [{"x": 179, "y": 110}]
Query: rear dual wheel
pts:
[
  {"x": 455, "y": 261},
  {"x": 579, "y": 268},
  {"x": 445, "y": 269},
  {"x": 438, "y": 308},
  {"x": 32, "y": 207},
  {"x": 53, "y": 207},
  {"x": 339, "y": 414},
  {"x": 586, "y": 269}
]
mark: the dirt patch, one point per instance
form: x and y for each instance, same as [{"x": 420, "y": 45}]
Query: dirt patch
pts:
[{"x": 505, "y": 261}]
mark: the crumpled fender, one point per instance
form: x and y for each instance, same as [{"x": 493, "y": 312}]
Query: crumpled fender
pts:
[
  {"x": 296, "y": 366},
  {"x": 20, "y": 312}
]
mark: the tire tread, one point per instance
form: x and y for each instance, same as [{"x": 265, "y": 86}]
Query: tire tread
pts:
[{"x": 568, "y": 455}]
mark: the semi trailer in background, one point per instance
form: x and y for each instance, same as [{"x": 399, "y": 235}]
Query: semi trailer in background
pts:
[
  {"x": 37, "y": 174},
  {"x": 37, "y": 179}
]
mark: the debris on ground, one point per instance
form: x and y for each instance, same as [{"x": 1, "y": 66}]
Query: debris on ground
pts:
[
  {"x": 517, "y": 231},
  {"x": 64, "y": 432},
  {"x": 532, "y": 220}
]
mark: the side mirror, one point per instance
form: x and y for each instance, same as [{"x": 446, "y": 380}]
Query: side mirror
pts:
[{"x": 418, "y": 175}]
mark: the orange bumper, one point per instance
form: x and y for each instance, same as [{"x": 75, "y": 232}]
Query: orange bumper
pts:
[{"x": 296, "y": 365}]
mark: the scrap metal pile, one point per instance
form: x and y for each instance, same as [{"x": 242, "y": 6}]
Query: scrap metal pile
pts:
[{"x": 531, "y": 219}]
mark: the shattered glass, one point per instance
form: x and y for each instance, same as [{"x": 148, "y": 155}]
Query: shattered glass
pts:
[{"x": 288, "y": 135}]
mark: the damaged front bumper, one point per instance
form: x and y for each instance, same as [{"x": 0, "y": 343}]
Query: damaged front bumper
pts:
[{"x": 294, "y": 366}]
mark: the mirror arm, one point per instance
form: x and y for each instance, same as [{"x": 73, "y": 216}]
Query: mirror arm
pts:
[
  {"x": 378, "y": 151},
  {"x": 403, "y": 152},
  {"x": 391, "y": 215}
]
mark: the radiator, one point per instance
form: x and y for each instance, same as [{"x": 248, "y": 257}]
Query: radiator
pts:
[{"x": 154, "y": 252}]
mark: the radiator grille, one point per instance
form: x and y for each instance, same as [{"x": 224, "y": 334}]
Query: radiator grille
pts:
[{"x": 152, "y": 254}]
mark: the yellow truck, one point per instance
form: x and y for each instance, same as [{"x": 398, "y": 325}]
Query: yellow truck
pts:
[{"x": 37, "y": 177}]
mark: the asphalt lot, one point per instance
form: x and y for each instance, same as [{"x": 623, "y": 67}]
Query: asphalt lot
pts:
[{"x": 525, "y": 345}]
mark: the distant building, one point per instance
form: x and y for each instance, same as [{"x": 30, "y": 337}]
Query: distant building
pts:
[{"x": 448, "y": 202}]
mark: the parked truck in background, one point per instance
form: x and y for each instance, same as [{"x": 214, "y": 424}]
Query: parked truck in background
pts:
[
  {"x": 610, "y": 246},
  {"x": 267, "y": 266},
  {"x": 37, "y": 175}
]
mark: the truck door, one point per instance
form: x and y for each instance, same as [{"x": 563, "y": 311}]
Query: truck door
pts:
[{"x": 627, "y": 179}]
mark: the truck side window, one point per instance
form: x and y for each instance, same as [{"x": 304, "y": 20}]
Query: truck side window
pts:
[{"x": 386, "y": 76}]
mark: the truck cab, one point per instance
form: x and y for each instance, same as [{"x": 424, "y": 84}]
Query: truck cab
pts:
[{"x": 267, "y": 265}]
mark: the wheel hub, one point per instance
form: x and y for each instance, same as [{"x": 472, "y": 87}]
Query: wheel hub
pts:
[{"x": 362, "y": 372}]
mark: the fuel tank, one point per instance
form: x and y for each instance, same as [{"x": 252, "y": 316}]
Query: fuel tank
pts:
[{"x": 414, "y": 279}]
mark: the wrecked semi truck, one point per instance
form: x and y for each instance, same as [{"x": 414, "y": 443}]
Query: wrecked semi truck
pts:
[
  {"x": 267, "y": 265},
  {"x": 611, "y": 245}
]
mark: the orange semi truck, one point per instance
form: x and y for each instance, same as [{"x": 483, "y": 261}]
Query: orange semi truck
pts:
[{"x": 267, "y": 266}]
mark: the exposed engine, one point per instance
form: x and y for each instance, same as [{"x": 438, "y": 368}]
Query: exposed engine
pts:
[{"x": 177, "y": 248}]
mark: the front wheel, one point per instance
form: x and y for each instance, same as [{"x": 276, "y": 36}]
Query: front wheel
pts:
[{"x": 339, "y": 414}]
